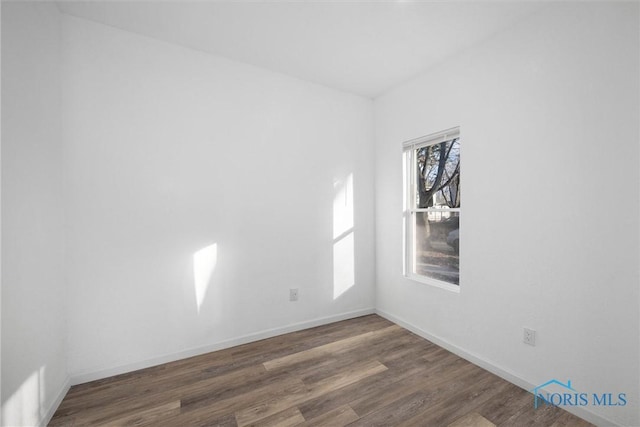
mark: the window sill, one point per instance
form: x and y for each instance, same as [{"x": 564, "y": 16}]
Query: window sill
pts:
[{"x": 433, "y": 282}]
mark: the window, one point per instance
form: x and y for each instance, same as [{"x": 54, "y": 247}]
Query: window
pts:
[{"x": 432, "y": 209}]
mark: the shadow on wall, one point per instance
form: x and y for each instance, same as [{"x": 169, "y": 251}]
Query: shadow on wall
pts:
[
  {"x": 343, "y": 236},
  {"x": 25, "y": 407}
]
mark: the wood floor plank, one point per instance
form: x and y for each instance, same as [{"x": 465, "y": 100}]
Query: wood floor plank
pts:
[
  {"x": 288, "y": 418},
  {"x": 365, "y": 388},
  {"x": 504, "y": 405},
  {"x": 104, "y": 409},
  {"x": 142, "y": 376},
  {"x": 257, "y": 413},
  {"x": 316, "y": 370},
  {"x": 340, "y": 346},
  {"x": 568, "y": 420},
  {"x": 401, "y": 409},
  {"x": 154, "y": 380},
  {"x": 237, "y": 383},
  {"x": 338, "y": 417},
  {"x": 464, "y": 400},
  {"x": 542, "y": 416},
  {"x": 408, "y": 347},
  {"x": 62, "y": 422},
  {"x": 355, "y": 373},
  {"x": 145, "y": 416},
  {"x": 309, "y": 338},
  {"x": 473, "y": 419},
  {"x": 203, "y": 414},
  {"x": 264, "y": 409},
  {"x": 436, "y": 381},
  {"x": 364, "y": 371},
  {"x": 405, "y": 403}
]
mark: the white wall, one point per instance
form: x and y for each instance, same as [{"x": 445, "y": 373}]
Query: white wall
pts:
[
  {"x": 549, "y": 123},
  {"x": 34, "y": 367},
  {"x": 170, "y": 151}
]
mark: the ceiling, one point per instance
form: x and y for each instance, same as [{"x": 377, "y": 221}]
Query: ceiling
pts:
[{"x": 364, "y": 48}]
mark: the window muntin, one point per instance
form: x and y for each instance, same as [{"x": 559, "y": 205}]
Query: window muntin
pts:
[{"x": 432, "y": 209}]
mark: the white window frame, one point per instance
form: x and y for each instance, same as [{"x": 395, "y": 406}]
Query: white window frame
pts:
[{"x": 409, "y": 203}]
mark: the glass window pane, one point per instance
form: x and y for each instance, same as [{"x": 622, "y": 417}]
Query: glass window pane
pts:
[
  {"x": 436, "y": 245},
  {"x": 438, "y": 175}
]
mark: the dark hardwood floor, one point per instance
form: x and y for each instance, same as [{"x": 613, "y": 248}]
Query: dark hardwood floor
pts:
[{"x": 360, "y": 372}]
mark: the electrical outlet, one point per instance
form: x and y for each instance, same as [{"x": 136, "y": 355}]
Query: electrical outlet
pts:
[
  {"x": 529, "y": 336},
  {"x": 293, "y": 294}
]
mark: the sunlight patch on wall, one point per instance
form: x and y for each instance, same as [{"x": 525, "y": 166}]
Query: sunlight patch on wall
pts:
[
  {"x": 342, "y": 206},
  {"x": 204, "y": 264},
  {"x": 24, "y": 406},
  {"x": 343, "y": 265},
  {"x": 343, "y": 237}
]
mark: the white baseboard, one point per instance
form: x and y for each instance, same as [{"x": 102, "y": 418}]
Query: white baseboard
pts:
[
  {"x": 494, "y": 369},
  {"x": 83, "y": 377},
  {"x": 56, "y": 402}
]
